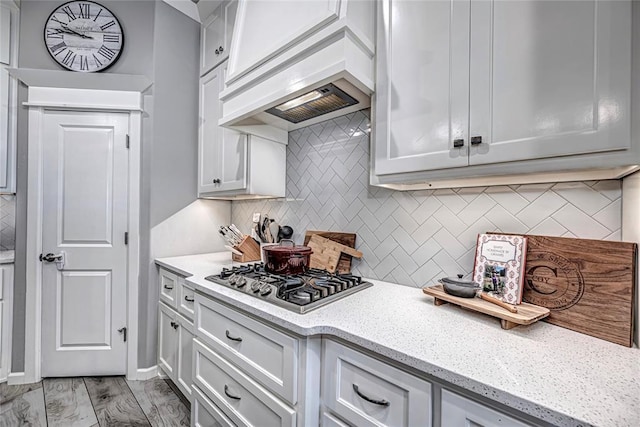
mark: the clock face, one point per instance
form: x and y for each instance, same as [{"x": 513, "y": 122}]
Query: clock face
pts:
[{"x": 83, "y": 36}]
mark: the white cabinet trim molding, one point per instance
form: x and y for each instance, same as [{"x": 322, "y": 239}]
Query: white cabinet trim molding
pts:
[{"x": 51, "y": 98}]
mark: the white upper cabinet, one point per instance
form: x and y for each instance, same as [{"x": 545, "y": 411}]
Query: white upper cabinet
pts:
[
  {"x": 486, "y": 88},
  {"x": 266, "y": 27},
  {"x": 232, "y": 164},
  {"x": 422, "y": 85},
  {"x": 216, "y": 34},
  {"x": 223, "y": 151},
  {"x": 549, "y": 78}
]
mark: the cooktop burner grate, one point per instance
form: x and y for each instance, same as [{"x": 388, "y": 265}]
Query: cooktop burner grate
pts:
[{"x": 300, "y": 293}]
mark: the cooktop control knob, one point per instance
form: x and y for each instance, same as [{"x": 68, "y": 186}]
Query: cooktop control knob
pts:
[{"x": 241, "y": 281}]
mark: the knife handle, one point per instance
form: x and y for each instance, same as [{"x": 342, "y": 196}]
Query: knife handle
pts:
[{"x": 496, "y": 301}]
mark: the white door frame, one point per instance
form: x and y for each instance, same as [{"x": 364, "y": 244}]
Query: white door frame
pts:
[{"x": 41, "y": 99}]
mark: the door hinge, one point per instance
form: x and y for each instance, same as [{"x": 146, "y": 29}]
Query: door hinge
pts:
[
  {"x": 126, "y": 237},
  {"x": 127, "y": 140},
  {"x": 123, "y": 331}
]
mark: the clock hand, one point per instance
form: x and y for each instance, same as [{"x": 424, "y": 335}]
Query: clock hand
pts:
[{"x": 66, "y": 29}]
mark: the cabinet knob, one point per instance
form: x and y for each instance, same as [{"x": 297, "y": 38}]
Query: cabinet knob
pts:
[
  {"x": 457, "y": 143},
  {"x": 217, "y": 181},
  {"x": 221, "y": 49},
  {"x": 476, "y": 140},
  {"x": 217, "y": 51}
]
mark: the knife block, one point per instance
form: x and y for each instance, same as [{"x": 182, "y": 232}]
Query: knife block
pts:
[{"x": 250, "y": 250}]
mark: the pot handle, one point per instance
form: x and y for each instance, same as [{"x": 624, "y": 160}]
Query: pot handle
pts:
[{"x": 287, "y": 240}]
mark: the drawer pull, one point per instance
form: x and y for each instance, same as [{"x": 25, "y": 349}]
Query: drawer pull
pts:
[
  {"x": 226, "y": 391},
  {"x": 368, "y": 399},
  {"x": 232, "y": 338},
  {"x": 168, "y": 287},
  {"x": 187, "y": 299}
]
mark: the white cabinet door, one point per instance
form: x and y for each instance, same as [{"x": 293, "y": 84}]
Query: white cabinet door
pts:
[
  {"x": 184, "y": 378},
  {"x": 422, "y": 90},
  {"x": 549, "y": 78},
  {"x": 216, "y": 34},
  {"x": 205, "y": 414},
  {"x": 167, "y": 340},
  {"x": 458, "y": 411},
  {"x": 222, "y": 152}
]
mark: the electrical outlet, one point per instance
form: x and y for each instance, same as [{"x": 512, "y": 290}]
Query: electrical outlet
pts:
[{"x": 256, "y": 217}]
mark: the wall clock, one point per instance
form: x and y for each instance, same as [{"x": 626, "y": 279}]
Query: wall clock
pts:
[{"x": 83, "y": 36}]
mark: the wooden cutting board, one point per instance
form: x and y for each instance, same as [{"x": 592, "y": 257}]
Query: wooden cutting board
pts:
[
  {"x": 326, "y": 253},
  {"x": 588, "y": 285},
  {"x": 347, "y": 239}
]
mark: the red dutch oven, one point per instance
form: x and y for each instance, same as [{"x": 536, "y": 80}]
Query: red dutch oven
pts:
[{"x": 286, "y": 259}]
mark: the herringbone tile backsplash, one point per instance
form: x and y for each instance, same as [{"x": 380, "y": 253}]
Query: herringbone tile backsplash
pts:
[
  {"x": 7, "y": 222},
  {"x": 415, "y": 237}
]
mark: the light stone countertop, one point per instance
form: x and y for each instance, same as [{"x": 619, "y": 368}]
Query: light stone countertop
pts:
[
  {"x": 551, "y": 373},
  {"x": 7, "y": 257}
]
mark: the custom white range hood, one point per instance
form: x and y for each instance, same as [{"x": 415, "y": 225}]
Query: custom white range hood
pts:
[{"x": 304, "y": 61}]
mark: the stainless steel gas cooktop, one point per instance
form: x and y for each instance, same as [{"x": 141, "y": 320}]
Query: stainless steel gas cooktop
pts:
[{"x": 300, "y": 293}]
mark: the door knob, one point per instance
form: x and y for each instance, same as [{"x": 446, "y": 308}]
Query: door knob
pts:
[{"x": 50, "y": 257}]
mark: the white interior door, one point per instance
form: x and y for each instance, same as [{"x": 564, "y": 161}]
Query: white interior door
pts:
[{"x": 84, "y": 302}]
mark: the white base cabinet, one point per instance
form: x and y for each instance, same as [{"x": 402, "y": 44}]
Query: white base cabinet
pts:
[
  {"x": 175, "y": 330},
  {"x": 458, "y": 411},
  {"x": 6, "y": 313}
]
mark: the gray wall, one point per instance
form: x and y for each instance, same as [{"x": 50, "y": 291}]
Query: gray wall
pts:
[
  {"x": 173, "y": 152},
  {"x": 166, "y": 52}
]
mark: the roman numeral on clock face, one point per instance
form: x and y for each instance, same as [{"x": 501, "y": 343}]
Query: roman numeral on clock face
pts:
[
  {"x": 69, "y": 13},
  {"x": 69, "y": 58},
  {"x": 111, "y": 38},
  {"x": 97, "y": 60},
  {"x": 107, "y": 25},
  {"x": 84, "y": 63},
  {"x": 55, "y": 48},
  {"x": 85, "y": 10},
  {"x": 106, "y": 52},
  {"x": 54, "y": 34}
]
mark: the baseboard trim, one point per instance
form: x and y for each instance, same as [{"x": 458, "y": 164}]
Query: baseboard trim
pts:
[
  {"x": 16, "y": 378},
  {"x": 147, "y": 373}
]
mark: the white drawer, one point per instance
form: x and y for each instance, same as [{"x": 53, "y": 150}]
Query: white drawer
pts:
[
  {"x": 168, "y": 287},
  {"x": 241, "y": 399},
  {"x": 205, "y": 414},
  {"x": 268, "y": 356},
  {"x": 367, "y": 392},
  {"x": 460, "y": 411},
  {"x": 186, "y": 298}
]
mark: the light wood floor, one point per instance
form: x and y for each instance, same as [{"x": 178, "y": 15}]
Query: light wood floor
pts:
[{"x": 92, "y": 401}]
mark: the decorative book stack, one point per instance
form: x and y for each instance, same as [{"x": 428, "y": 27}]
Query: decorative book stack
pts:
[{"x": 499, "y": 265}]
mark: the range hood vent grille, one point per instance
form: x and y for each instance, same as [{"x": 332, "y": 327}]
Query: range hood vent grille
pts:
[{"x": 323, "y": 100}]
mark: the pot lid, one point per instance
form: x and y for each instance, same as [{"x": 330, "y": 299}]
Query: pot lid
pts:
[
  {"x": 459, "y": 281},
  {"x": 285, "y": 249}
]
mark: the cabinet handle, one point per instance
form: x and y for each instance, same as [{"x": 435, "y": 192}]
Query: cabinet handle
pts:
[
  {"x": 368, "y": 399},
  {"x": 226, "y": 391},
  {"x": 168, "y": 287},
  {"x": 476, "y": 140},
  {"x": 232, "y": 338},
  {"x": 457, "y": 143},
  {"x": 187, "y": 299}
]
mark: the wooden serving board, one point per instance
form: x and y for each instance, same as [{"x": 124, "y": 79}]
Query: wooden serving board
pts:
[
  {"x": 588, "y": 285},
  {"x": 526, "y": 315},
  {"x": 347, "y": 239}
]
